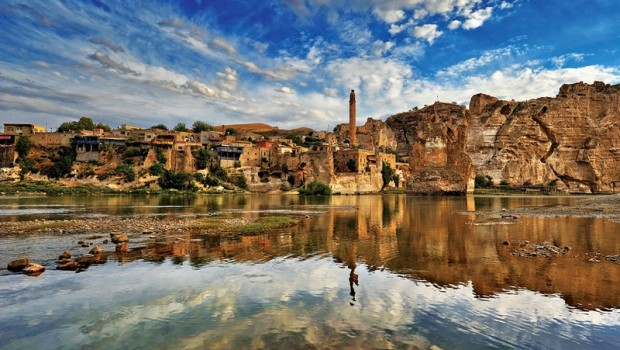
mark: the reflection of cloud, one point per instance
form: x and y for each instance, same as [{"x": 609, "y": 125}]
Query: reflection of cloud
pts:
[{"x": 274, "y": 303}]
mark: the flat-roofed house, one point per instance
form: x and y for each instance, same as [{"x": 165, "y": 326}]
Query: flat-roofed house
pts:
[{"x": 22, "y": 129}]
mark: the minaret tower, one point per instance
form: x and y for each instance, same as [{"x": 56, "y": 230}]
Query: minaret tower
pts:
[{"x": 352, "y": 126}]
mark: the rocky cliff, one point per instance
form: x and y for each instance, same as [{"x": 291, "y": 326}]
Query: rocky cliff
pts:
[
  {"x": 434, "y": 139},
  {"x": 572, "y": 140}
]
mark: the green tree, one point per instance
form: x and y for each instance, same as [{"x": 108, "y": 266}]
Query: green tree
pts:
[
  {"x": 84, "y": 123},
  {"x": 199, "y": 126},
  {"x": 230, "y": 131},
  {"x": 160, "y": 127},
  {"x": 180, "y": 127},
  {"x": 203, "y": 156},
  {"x": 179, "y": 181},
  {"x": 105, "y": 127},
  {"x": 62, "y": 163},
  {"x": 387, "y": 174},
  {"x": 23, "y": 146}
]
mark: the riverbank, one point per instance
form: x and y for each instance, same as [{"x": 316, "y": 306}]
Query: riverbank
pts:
[
  {"x": 596, "y": 206},
  {"x": 150, "y": 225}
]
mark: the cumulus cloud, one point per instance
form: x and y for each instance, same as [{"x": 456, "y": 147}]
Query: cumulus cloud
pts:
[
  {"x": 477, "y": 18},
  {"x": 427, "y": 32},
  {"x": 228, "y": 79},
  {"x": 454, "y": 24},
  {"x": 298, "y": 6},
  {"x": 390, "y": 16}
]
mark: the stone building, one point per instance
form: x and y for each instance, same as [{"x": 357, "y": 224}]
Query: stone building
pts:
[{"x": 22, "y": 129}]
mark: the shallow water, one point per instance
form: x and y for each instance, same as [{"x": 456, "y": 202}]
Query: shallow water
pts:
[{"x": 430, "y": 273}]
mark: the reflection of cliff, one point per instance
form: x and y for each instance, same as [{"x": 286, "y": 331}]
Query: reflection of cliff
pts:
[{"x": 420, "y": 237}]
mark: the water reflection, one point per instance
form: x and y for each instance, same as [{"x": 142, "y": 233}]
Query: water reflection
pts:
[{"x": 418, "y": 258}]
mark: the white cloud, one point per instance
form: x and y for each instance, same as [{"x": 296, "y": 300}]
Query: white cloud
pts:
[
  {"x": 477, "y": 18},
  {"x": 41, "y": 64},
  {"x": 454, "y": 25},
  {"x": 331, "y": 92},
  {"x": 426, "y": 32},
  {"x": 224, "y": 46},
  {"x": 390, "y": 16},
  {"x": 228, "y": 79},
  {"x": 560, "y": 61},
  {"x": 397, "y": 28},
  {"x": 483, "y": 59},
  {"x": 285, "y": 90}
]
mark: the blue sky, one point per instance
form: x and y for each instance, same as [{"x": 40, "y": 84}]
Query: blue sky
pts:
[{"x": 290, "y": 63}]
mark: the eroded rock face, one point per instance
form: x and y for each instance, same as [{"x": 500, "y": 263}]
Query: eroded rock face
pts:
[
  {"x": 434, "y": 139},
  {"x": 572, "y": 140}
]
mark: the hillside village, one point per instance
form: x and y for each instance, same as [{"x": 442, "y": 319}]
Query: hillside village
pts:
[
  {"x": 253, "y": 157},
  {"x": 565, "y": 143}
]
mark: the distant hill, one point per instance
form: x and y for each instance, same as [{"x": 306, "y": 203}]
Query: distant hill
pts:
[
  {"x": 249, "y": 127},
  {"x": 262, "y": 128}
]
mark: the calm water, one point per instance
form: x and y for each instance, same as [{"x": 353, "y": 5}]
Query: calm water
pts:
[{"x": 429, "y": 275}]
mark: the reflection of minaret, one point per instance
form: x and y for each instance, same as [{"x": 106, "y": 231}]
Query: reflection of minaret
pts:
[{"x": 352, "y": 127}]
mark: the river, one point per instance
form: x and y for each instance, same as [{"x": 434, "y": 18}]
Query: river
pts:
[{"x": 384, "y": 271}]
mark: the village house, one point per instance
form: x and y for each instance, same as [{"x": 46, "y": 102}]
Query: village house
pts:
[{"x": 23, "y": 129}]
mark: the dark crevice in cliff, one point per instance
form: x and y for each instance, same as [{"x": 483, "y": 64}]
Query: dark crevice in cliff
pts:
[{"x": 547, "y": 131}]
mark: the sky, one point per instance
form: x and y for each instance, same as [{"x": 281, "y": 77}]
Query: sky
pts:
[{"x": 290, "y": 63}]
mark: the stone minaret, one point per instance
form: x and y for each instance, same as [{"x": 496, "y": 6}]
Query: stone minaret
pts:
[{"x": 352, "y": 126}]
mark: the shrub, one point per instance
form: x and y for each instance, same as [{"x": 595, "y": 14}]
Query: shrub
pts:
[
  {"x": 127, "y": 171},
  {"x": 159, "y": 154},
  {"x": 62, "y": 163},
  {"x": 239, "y": 181},
  {"x": 179, "y": 181},
  {"x": 504, "y": 183},
  {"x": 131, "y": 152},
  {"x": 482, "y": 181},
  {"x": 156, "y": 169},
  {"x": 202, "y": 158},
  {"x": 23, "y": 146},
  {"x": 316, "y": 188}
]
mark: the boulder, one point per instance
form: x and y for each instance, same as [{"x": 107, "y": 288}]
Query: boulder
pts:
[
  {"x": 65, "y": 255},
  {"x": 97, "y": 250},
  {"x": 18, "y": 265},
  {"x": 68, "y": 266},
  {"x": 33, "y": 269}
]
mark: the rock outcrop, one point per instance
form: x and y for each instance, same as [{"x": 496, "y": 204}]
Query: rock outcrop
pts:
[
  {"x": 434, "y": 139},
  {"x": 572, "y": 140}
]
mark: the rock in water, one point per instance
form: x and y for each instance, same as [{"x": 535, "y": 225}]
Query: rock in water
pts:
[
  {"x": 18, "y": 265},
  {"x": 68, "y": 266},
  {"x": 65, "y": 255},
  {"x": 33, "y": 269},
  {"x": 97, "y": 250}
]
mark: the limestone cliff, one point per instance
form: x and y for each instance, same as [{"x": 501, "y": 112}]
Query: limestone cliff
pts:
[
  {"x": 572, "y": 140},
  {"x": 374, "y": 134},
  {"x": 434, "y": 139}
]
